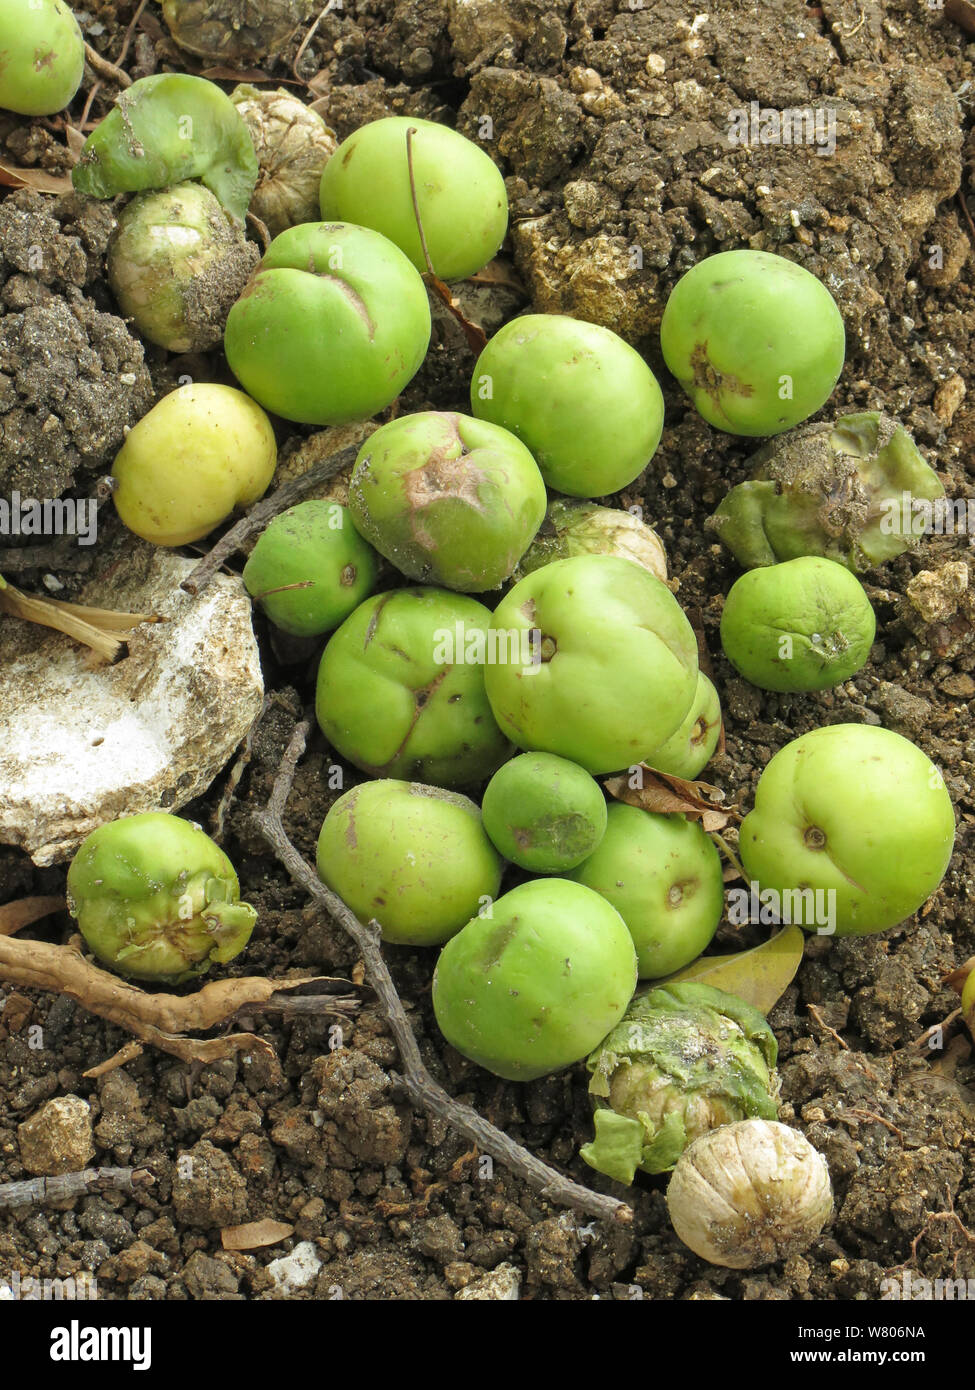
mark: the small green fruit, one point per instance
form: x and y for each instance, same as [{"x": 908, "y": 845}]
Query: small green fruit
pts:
[
  {"x": 664, "y": 877},
  {"x": 414, "y": 858},
  {"x": 459, "y": 190},
  {"x": 42, "y": 56},
  {"x": 544, "y": 813},
  {"x": 401, "y": 689},
  {"x": 687, "y": 752},
  {"x": 803, "y": 625},
  {"x": 613, "y": 665},
  {"x": 202, "y": 451},
  {"x": 333, "y": 325},
  {"x": 533, "y": 987},
  {"x": 853, "y": 811},
  {"x": 310, "y": 569},
  {"x": 581, "y": 399},
  {"x": 755, "y": 341},
  {"x": 156, "y": 899},
  {"x": 447, "y": 499}
]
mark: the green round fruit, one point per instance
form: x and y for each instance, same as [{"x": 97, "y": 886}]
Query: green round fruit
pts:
[
  {"x": 688, "y": 751},
  {"x": 581, "y": 399},
  {"x": 803, "y": 625},
  {"x": 310, "y": 569},
  {"x": 536, "y": 985},
  {"x": 156, "y": 899},
  {"x": 401, "y": 689},
  {"x": 755, "y": 340},
  {"x": 447, "y": 499},
  {"x": 176, "y": 262},
  {"x": 459, "y": 191},
  {"x": 332, "y": 326},
  {"x": 664, "y": 877},
  {"x": 600, "y": 663},
  {"x": 855, "y": 824},
  {"x": 201, "y": 452},
  {"x": 414, "y": 858},
  {"x": 544, "y": 813},
  {"x": 42, "y": 56}
]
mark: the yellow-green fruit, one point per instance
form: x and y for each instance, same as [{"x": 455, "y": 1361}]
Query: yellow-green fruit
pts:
[
  {"x": 199, "y": 454},
  {"x": 42, "y": 56}
]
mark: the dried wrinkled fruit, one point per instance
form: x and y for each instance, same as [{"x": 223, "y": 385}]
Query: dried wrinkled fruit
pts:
[
  {"x": 235, "y": 32},
  {"x": 293, "y": 145},
  {"x": 573, "y": 527},
  {"x": 749, "y": 1194}
]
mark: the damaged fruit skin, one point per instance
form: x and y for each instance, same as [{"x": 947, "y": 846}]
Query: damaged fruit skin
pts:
[
  {"x": 413, "y": 858},
  {"x": 574, "y": 527},
  {"x": 310, "y": 568},
  {"x": 531, "y": 987},
  {"x": 544, "y": 813},
  {"x": 401, "y": 689},
  {"x": 42, "y": 56},
  {"x": 663, "y": 875},
  {"x": 729, "y": 335},
  {"x": 460, "y": 193},
  {"x": 613, "y": 668},
  {"x": 581, "y": 399},
  {"x": 332, "y": 326},
  {"x": 293, "y": 144},
  {"x": 156, "y": 899},
  {"x": 855, "y": 809},
  {"x": 166, "y": 245},
  {"x": 834, "y": 489},
  {"x": 805, "y": 624},
  {"x": 163, "y": 130},
  {"x": 446, "y": 499},
  {"x": 202, "y": 451},
  {"x": 685, "y": 1059},
  {"x": 688, "y": 751}
]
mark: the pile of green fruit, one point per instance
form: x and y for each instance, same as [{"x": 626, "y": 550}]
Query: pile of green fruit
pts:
[{"x": 494, "y": 641}]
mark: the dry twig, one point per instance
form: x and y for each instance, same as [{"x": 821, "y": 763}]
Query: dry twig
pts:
[
  {"x": 66, "y": 1186},
  {"x": 419, "y": 1084}
]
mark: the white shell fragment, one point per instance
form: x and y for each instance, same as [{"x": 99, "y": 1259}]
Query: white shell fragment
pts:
[
  {"x": 82, "y": 743},
  {"x": 297, "y": 1270}
]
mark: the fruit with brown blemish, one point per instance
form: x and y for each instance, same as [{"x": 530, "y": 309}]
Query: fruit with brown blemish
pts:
[
  {"x": 331, "y": 327},
  {"x": 42, "y": 56},
  {"x": 310, "y": 568},
  {"x": 663, "y": 875},
  {"x": 413, "y": 858},
  {"x": 447, "y": 499},
  {"x": 688, "y": 751},
  {"x": 544, "y": 813},
  {"x": 756, "y": 341},
  {"x": 401, "y": 689}
]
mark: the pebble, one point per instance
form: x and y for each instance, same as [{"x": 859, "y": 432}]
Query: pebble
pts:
[{"x": 57, "y": 1138}]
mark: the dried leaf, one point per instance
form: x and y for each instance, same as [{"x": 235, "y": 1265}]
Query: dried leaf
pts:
[
  {"x": 760, "y": 976},
  {"x": 956, "y": 980},
  {"x": 667, "y": 795},
  {"x": 38, "y": 179},
  {"x": 75, "y": 139},
  {"x": 255, "y": 1234},
  {"x": 224, "y": 74},
  {"x": 22, "y": 913},
  {"x": 498, "y": 272},
  {"x": 963, "y": 13}
]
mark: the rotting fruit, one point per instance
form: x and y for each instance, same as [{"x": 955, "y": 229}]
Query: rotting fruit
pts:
[
  {"x": 201, "y": 452},
  {"x": 310, "y": 568},
  {"x": 663, "y": 875},
  {"x": 572, "y": 527},
  {"x": 176, "y": 262},
  {"x": 414, "y": 858},
  {"x": 459, "y": 192},
  {"x": 544, "y": 813},
  {"x": 332, "y": 326},
  {"x": 447, "y": 499},
  {"x": 293, "y": 144},
  {"x": 600, "y": 663},
  {"x": 156, "y": 899},
  {"x": 531, "y": 986},
  {"x": 688, "y": 751},
  {"x": 401, "y": 689},
  {"x": 756, "y": 341},
  {"x": 685, "y": 1059},
  {"x": 42, "y": 56},
  {"x": 805, "y": 624},
  {"x": 581, "y": 399},
  {"x": 852, "y": 825}
]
